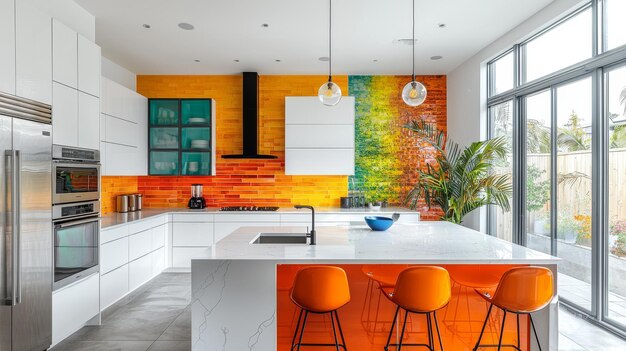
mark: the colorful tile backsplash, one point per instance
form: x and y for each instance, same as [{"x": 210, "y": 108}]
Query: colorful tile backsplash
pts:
[{"x": 385, "y": 155}]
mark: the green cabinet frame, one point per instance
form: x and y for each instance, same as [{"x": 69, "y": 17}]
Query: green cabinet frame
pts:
[{"x": 181, "y": 137}]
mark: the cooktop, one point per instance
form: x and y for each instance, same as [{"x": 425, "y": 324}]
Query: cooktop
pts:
[{"x": 249, "y": 208}]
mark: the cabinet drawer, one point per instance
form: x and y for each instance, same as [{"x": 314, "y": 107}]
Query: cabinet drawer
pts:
[
  {"x": 113, "y": 255},
  {"x": 182, "y": 256},
  {"x": 113, "y": 233},
  {"x": 139, "y": 271},
  {"x": 113, "y": 286},
  {"x": 158, "y": 261},
  {"x": 73, "y": 306},
  {"x": 139, "y": 244},
  {"x": 120, "y": 131},
  {"x": 145, "y": 224},
  {"x": 193, "y": 217},
  {"x": 192, "y": 234},
  {"x": 246, "y": 217},
  {"x": 158, "y": 236}
]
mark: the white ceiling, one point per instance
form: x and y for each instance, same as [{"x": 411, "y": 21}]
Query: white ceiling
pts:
[{"x": 363, "y": 31}]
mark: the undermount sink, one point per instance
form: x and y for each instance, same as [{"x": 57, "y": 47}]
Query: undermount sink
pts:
[{"x": 280, "y": 238}]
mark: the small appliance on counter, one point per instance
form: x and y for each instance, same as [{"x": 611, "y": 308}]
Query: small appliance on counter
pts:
[
  {"x": 196, "y": 201},
  {"x": 129, "y": 203}
]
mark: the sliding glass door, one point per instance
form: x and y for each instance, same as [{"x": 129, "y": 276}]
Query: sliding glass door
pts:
[{"x": 615, "y": 107}]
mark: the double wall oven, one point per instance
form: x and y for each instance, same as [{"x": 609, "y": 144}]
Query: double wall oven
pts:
[{"x": 75, "y": 213}]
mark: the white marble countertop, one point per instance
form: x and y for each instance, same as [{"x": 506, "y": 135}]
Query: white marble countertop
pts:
[
  {"x": 426, "y": 242},
  {"x": 115, "y": 219}
]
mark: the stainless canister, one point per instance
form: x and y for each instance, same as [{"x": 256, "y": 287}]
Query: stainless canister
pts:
[
  {"x": 123, "y": 203},
  {"x": 132, "y": 203},
  {"x": 138, "y": 202}
]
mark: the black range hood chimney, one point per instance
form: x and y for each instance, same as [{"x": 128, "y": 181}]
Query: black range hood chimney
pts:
[{"x": 250, "y": 118}]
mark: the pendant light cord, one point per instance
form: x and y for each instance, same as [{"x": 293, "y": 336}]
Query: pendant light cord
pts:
[
  {"x": 413, "y": 40},
  {"x": 330, "y": 40}
]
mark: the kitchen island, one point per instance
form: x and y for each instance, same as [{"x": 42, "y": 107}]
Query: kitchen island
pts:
[{"x": 240, "y": 292}]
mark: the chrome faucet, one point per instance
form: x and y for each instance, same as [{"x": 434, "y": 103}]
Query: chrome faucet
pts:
[{"x": 312, "y": 233}]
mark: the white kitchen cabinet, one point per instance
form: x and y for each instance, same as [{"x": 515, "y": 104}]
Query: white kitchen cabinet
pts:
[
  {"x": 139, "y": 271},
  {"x": 319, "y": 161},
  {"x": 121, "y": 131},
  {"x": 319, "y": 140},
  {"x": 64, "y": 54},
  {"x": 88, "y": 121},
  {"x": 158, "y": 237},
  {"x": 7, "y": 46},
  {"x": 139, "y": 244},
  {"x": 73, "y": 306},
  {"x": 192, "y": 234},
  {"x": 33, "y": 52},
  {"x": 158, "y": 261},
  {"x": 113, "y": 286},
  {"x": 124, "y": 160},
  {"x": 88, "y": 66},
  {"x": 113, "y": 254},
  {"x": 182, "y": 256},
  {"x": 64, "y": 115}
]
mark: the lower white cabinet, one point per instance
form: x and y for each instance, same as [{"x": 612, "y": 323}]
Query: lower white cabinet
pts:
[
  {"x": 139, "y": 244},
  {"x": 139, "y": 271},
  {"x": 192, "y": 234},
  {"x": 113, "y": 286},
  {"x": 182, "y": 256},
  {"x": 73, "y": 306},
  {"x": 113, "y": 255},
  {"x": 158, "y": 261}
]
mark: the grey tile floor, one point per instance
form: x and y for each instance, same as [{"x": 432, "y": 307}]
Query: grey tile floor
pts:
[{"x": 157, "y": 318}]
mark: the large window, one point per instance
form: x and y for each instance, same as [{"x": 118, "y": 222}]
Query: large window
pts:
[{"x": 566, "y": 121}]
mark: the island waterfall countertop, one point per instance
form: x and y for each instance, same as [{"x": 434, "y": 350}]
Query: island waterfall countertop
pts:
[
  {"x": 115, "y": 219},
  {"x": 426, "y": 242}
]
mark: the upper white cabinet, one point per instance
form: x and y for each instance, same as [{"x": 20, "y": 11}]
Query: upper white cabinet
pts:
[
  {"x": 33, "y": 52},
  {"x": 88, "y": 66},
  {"x": 319, "y": 140},
  {"x": 88, "y": 121},
  {"x": 64, "y": 115},
  {"x": 64, "y": 54},
  {"x": 7, "y": 46},
  {"x": 124, "y": 134}
]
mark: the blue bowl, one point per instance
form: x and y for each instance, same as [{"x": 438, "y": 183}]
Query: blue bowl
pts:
[{"x": 378, "y": 223}]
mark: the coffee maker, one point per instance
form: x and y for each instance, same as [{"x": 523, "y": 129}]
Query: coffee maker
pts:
[{"x": 196, "y": 201}]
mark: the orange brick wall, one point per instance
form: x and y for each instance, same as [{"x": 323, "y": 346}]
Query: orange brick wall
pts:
[{"x": 113, "y": 186}]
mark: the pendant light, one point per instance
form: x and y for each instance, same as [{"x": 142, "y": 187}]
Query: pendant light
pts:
[
  {"x": 330, "y": 93},
  {"x": 414, "y": 92}
]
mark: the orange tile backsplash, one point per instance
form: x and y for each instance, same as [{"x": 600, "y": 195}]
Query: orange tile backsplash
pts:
[{"x": 237, "y": 182}]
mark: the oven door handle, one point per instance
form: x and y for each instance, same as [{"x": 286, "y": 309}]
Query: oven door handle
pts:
[{"x": 79, "y": 222}]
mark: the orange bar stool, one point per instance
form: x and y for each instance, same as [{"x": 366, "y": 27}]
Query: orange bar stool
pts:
[
  {"x": 421, "y": 290},
  {"x": 320, "y": 290},
  {"x": 522, "y": 290},
  {"x": 381, "y": 277}
]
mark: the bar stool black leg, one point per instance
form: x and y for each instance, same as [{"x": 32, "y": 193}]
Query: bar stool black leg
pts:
[
  {"x": 483, "y": 329},
  {"x": 306, "y": 314},
  {"x": 501, "y": 331},
  {"x": 430, "y": 331},
  {"x": 534, "y": 330},
  {"x": 332, "y": 322},
  {"x": 393, "y": 324},
  {"x": 406, "y": 316},
  {"x": 295, "y": 334},
  {"x": 517, "y": 314},
  {"x": 343, "y": 340},
  {"x": 437, "y": 327}
]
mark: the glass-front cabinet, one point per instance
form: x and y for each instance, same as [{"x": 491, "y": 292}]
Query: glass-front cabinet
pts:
[{"x": 182, "y": 137}]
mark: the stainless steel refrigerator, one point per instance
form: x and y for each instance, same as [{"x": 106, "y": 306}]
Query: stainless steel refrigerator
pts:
[{"x": 25, "y": 225}]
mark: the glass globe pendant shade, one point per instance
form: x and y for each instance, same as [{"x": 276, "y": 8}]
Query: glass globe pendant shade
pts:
[
  {"x": 414, "y": 93},
  {"x": 329, "y": 93}
]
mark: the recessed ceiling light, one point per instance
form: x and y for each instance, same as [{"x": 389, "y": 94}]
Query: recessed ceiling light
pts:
[
  {"x": 277, "y": 60},
  {"x": 436, "y": 57},
  {"x": 147, "y": 26},
  {"x": 405, "y": 41},
  {"x": 265, "y": 25},
  {"x": 196, "y": 60},
  {"x": 442, "y": 25},
  {"x": 236, "y": 60},
  {"x": 186, "y": 26},
  {"x": 324, "y": 59}
]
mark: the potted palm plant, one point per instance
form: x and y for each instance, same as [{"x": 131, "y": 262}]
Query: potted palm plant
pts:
[{"x": 460, "y": 180}]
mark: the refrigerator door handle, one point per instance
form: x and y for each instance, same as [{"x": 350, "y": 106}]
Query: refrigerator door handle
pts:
[
  {"x": 11, "y": 250},
  {"x": 17, "y": 231}
]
